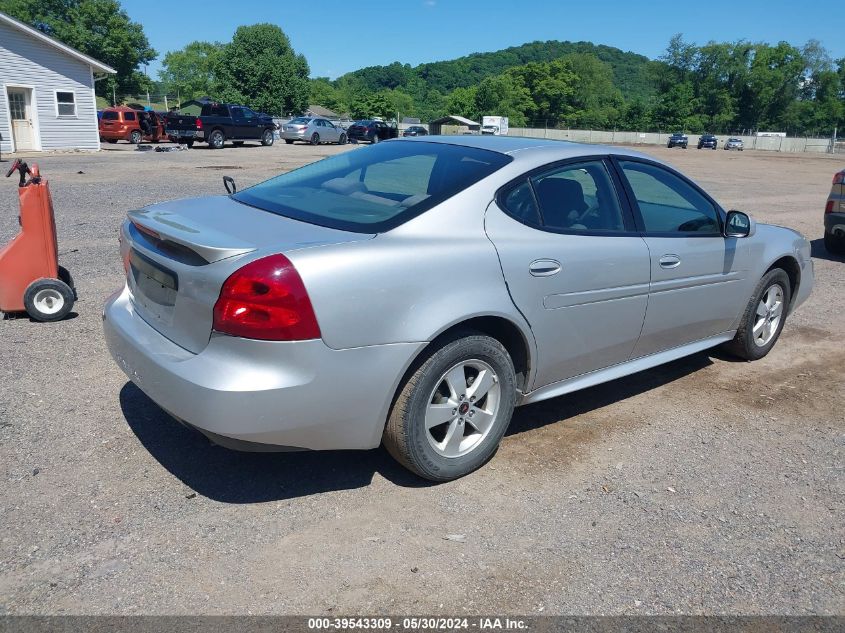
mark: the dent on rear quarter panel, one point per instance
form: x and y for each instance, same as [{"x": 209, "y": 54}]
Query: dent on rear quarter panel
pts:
[{"x": 410, "y": 283}]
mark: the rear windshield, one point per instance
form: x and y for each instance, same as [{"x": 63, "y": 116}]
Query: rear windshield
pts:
[
  {"x": 376, "y": 188},
  {"x": 215, "y": 110},
  {"x": 110, "y": 115},
  {"x": 300, "y": 120}
]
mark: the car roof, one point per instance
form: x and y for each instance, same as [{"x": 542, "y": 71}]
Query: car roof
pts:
[{"x": 523, "y": 145}]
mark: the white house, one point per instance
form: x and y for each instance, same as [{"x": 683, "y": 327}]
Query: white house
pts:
[{"x": 47, "y": 99}]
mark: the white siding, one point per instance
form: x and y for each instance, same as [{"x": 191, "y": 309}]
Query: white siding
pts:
[{"x": 26, "y": 61}]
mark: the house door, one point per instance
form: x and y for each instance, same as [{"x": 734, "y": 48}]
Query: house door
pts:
[{"x": 20, "y": 109}]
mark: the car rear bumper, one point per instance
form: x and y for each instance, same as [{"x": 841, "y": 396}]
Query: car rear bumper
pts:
[
  {"x": 294, "y": 394},
  {"x": 291, "y": 136}
]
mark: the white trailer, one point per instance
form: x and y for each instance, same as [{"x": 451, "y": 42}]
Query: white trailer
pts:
[{"x": 495, "y": 125}]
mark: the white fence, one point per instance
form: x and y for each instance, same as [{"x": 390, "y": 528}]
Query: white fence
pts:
[{"x": 769, "y": 143}]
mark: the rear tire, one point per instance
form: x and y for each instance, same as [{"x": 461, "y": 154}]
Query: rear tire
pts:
[
  {"x": 48, "y": 300},
  {"x": 376, "y": 139},
  {"x": 764, "y": 317},
  {"x": 315, "y": 139},
  {"x": 216, "y": 140},
  {"x": 342, "y": 140},
  {"x": 267, "y": 138},
  {"x": 834, "y": 244},
  {"x": 437, "y": 427}
]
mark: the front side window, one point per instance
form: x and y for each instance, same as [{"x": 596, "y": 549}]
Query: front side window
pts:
[
  {"x": 579, "y": 197},
  {"x": 374, "y": 189},
  {"x": 128, "y": 116},
  {"x": 667, "y": 203},
  {"x": 66, "y": 103}
]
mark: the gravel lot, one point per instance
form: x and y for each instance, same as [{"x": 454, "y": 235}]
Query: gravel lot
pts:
[{"x": 703, "y": 486}]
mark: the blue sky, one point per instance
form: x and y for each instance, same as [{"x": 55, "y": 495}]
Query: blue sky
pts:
[{"x": 337, "y": 37}]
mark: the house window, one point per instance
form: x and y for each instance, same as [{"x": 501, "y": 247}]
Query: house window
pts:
[{"x": 66, "y": 103}]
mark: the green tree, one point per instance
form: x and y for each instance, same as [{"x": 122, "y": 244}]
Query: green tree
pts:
[
  {"x": 552, "y": 89},
  {"x": 190, "y": 72},
  {"x": 260, "y": 68},
  {"x": 461, "y": 101},
  {"x": 98, "y": 28},
  {"x": 324, "y": 93},
  {"x": 503, "y": 96}
]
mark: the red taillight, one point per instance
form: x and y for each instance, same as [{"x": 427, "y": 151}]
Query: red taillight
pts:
[
  {"x": 266, "y": 300},
  {"x": 839, "y": 178},
  {"x": 198, "y": 123},
  {"x": 828, "y": 208}
]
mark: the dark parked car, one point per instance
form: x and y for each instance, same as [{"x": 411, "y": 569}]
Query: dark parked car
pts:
[
  {"x": 372, "y": 131},
  {"x": 678, "y": 139},
  {"x": 834, "y": 216},
  {"x": 415, "y": 130},
  {"x": 707, "y": 140},
  {"x": 218, "y": 123}
]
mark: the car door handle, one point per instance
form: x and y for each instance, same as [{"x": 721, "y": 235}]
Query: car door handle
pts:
[
  {"x": 544, "y": 267},
  {"x": 670, "y": 261}
]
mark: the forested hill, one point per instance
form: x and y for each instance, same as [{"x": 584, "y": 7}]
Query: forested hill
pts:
[{"x": 629, "y": 69}]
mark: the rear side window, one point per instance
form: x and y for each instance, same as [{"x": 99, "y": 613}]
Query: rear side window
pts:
[
  {"x": 374, "y": 189},
  {"x": 110, "y": 115},
  {"x": 579, "y": 198},
  {"x": 519, "y": 202}
]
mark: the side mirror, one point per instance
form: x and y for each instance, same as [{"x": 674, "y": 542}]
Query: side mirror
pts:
[
  {"x": 230, "y": 185},
  {"x": 739, "y": 224}
]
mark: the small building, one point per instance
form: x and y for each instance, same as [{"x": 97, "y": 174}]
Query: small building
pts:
[
  {"x": 323, "y": 113},
  {"x": 194, "y": 106},
  {"x": 454, "y": 124},
  {"x": 46, "y": 92}
]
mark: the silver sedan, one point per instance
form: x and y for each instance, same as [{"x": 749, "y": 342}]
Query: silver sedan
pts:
[
  {"x": 312, "y": 130},
  {"x": 414, "y": 292}
]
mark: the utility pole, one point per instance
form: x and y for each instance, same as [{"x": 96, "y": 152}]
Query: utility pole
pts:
[{"x": 833, "y": 143}]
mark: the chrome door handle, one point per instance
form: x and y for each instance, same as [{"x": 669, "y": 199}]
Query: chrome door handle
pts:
[
  {"x": 670, "y": 261},
  {"x": 544, "y": 267}
]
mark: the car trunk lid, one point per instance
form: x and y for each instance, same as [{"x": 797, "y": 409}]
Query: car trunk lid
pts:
[{"x": 178, "y": 254}]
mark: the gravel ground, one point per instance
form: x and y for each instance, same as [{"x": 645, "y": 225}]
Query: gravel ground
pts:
[{"x": 706, "y": 486}]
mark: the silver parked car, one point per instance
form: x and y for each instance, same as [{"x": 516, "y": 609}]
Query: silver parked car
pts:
[
  {"x": 415, "y": 291},
  {"x": 312, "y": 130},
  {"x": 734, "y": 143}
]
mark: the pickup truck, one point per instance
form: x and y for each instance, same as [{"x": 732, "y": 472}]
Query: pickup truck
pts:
[{"x": 218, "y": 123}]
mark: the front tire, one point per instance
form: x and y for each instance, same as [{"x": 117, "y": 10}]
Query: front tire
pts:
[
  {"x": 135, "y": 137},
  {"x": 48, "y": 299},
  {"x": 764, "y": 317},
  {"x": 452, "y": 412},
  {"x": 376, "y": 139}
]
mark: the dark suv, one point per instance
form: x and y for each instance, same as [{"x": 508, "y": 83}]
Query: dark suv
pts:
[
  {"x": 707, "y": 140},
  {"x": 678, "y": 139}
]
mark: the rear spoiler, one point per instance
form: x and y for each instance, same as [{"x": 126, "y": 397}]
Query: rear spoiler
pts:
[{"x": 167, "y": 226}]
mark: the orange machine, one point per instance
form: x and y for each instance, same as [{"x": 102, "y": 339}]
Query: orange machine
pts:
[{"x": 30, "y": 276}]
